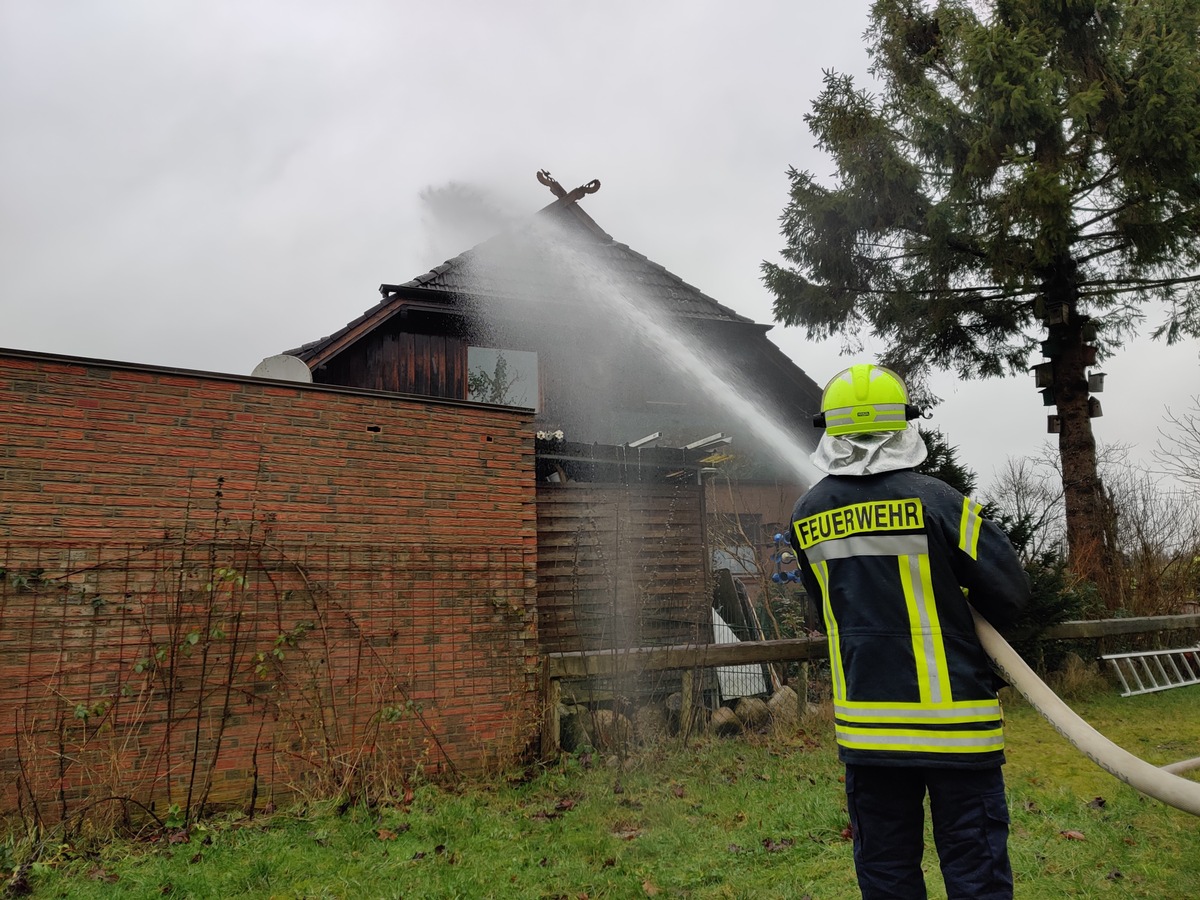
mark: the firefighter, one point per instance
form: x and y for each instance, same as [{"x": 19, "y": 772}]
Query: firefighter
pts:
[{"x": 892, "y": 558}]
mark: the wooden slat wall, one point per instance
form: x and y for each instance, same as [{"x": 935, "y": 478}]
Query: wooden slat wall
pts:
[
  {"x": 431, "y": 365},
  {"x": 620, "y": 566}
]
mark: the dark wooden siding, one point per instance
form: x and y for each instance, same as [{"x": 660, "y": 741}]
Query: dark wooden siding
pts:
[
  {"x": 431, "y": 365},
  {"x": 620, "y": 566}
]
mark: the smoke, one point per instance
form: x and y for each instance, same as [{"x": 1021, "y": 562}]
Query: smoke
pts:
[{"x": 459, "y": 214}]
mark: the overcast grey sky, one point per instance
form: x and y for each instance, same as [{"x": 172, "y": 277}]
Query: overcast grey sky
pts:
[{"x": 204, "y": 183}]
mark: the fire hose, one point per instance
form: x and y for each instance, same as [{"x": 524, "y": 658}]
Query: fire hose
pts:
[{"x": 1160, "y": 783}]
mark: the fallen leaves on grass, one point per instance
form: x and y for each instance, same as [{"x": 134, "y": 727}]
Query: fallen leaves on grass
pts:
[
  {"x": 1072, "y": 835},
  {"x": 564, "y": 804},
  {"x": 774, "y": 846},
  {"x": 101, "y": 874}
]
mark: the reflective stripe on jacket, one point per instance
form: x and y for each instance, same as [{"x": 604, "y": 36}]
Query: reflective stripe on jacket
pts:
[{"x": 888, "y": 558}]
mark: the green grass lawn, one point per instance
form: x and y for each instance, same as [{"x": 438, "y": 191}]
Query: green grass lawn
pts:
[{"x": 750, "y": 818}]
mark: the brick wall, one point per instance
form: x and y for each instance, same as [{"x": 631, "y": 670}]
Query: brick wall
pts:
[{"x": 217, "y": 589}]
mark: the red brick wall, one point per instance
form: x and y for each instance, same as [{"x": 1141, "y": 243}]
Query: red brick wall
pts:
[{"x": 219, "y": 588}]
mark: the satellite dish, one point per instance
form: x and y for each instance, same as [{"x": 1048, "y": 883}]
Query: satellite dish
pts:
[{"x": 283, "y": 368}]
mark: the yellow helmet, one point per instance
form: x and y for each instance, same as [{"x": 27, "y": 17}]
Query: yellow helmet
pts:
[{"x": 865, "y": 398}]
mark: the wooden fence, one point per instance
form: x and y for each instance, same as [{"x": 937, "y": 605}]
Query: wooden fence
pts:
[{"x": 694, "y": 657}]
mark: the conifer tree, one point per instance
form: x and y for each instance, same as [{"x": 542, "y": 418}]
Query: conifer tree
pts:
[{"x": 1025, "y": 171}]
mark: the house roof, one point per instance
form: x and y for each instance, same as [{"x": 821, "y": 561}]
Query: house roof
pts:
[{"x": 537, "y": 262}]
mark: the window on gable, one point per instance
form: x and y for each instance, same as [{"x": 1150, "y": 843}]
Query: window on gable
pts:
[{"x": 504, "y": 377}]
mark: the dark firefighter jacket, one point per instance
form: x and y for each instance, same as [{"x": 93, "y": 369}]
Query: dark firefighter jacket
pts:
[{"x": 888, "y": 559}]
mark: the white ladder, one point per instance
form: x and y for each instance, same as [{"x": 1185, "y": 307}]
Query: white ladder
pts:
[{"x": 1156, "y": 670}]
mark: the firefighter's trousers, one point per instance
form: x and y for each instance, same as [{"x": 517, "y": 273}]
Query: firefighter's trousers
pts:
[{"x": 970, "y": 830}]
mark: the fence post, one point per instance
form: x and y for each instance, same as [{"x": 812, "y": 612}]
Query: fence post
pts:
[
  {"x": 802, "y": 691},
  {"x": 551, "y": 721},
  {"x": 687, "y": 703}
]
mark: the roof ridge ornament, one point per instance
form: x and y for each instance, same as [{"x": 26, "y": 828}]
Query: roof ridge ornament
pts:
[{"x": 544, "y": 177}]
